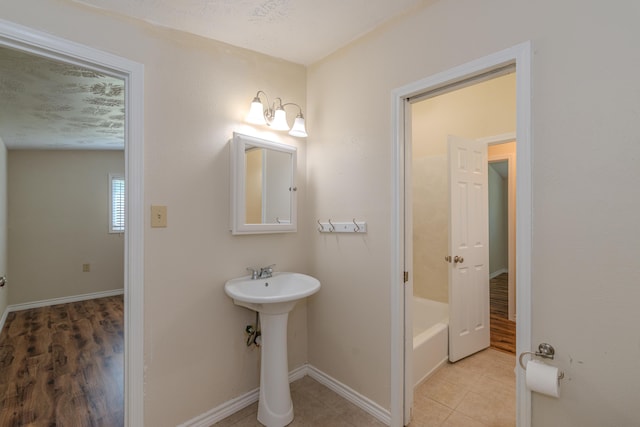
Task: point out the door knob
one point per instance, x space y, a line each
447 258
3 281
458 259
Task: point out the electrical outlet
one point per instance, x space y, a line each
86 268
158 216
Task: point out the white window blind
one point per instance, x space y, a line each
116 203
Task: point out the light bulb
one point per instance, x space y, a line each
256 113
298 128
279 120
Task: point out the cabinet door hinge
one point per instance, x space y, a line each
406 276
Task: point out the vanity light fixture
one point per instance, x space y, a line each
275 116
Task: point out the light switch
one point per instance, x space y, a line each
158 216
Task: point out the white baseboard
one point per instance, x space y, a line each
351 395
232 406
55 301
498 272
221 412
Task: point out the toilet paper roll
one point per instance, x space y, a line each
543 378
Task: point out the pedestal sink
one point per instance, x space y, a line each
273 298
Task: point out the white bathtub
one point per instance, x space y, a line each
430 337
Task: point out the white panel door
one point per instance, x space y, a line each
469 330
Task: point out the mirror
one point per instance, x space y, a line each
262 186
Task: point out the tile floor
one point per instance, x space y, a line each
478 391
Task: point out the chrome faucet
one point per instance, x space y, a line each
262 273
255 274
267 271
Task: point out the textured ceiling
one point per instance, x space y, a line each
301 31
47 104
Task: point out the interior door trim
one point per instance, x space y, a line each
520 55
39 43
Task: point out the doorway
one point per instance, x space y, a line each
502 229
442 231
402 387
27 40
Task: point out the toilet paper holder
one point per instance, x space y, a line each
546 351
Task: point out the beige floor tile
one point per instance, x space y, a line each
240 415
326 420
480 391
492 357
306 384
488 385
481 388
250 420
456 419
429 413
482 359
505 419
308 408
334 401
504 373
498 355
458 374
484 408
442 391
359 418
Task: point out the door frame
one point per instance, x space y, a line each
401 337
39 43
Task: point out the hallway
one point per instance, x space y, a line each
503 330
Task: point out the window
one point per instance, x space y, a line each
116 203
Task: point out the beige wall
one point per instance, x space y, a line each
585 269
482 110
585 152
498 222
430 227
59 220
197 93
4 292
506 151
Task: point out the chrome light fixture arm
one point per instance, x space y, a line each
274 115
293 103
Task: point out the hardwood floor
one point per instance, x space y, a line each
63 365
503 330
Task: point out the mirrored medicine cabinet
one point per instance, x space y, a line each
263 189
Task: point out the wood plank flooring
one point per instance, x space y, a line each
62 365
503 330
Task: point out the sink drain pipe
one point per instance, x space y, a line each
254 335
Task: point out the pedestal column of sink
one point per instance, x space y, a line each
273 297
275 408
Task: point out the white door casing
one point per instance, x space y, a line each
30 40
521 56
469 330
408 268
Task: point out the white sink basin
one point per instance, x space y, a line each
276 294
273 298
